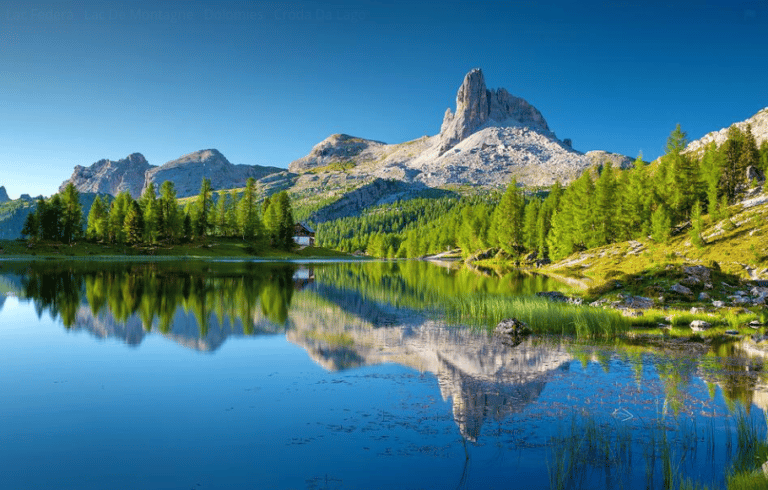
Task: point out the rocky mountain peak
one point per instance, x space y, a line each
188 171
758 124
111 177
3 195
337 148
476 106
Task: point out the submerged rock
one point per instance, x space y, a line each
700 325
512 331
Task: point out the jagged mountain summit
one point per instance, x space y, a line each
758 122
111 176
491 138
134 173
3 195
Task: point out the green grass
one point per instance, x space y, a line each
588 449
542 315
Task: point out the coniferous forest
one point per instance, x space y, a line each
603 206
154 218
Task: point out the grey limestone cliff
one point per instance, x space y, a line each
3 195
111 176
134 173
188 172
477 106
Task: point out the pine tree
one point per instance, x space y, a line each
133 227
286 225
71 214
712 170
231 214
172 222
151 212
509 219
31 227
98 221
733 174
117 212
602 225
681 177
247 212
203 208
580 199
272 221
221 214
530 225
50 221
637 201
750 154
697 226
661 225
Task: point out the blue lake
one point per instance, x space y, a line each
339 376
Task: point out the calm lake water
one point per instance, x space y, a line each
339 376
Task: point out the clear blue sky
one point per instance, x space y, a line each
264 82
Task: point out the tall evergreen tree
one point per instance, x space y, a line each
231 214
733 174
133 227
602 227
117 213
530 225
203 207
750 154
98 221
50 220
172 222
31 228
247 212
712 170
697 226
151 212
509 220
661 225
71 214
682 179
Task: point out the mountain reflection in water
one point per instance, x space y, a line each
344 316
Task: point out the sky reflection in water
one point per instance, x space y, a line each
329 376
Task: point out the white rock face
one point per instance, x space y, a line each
759 123
491 138
477 106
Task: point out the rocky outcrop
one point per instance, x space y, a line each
758 123
110 176
491 138
188 172
337 149
134 173
3 195
477 106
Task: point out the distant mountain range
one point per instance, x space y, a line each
133 174
490 138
